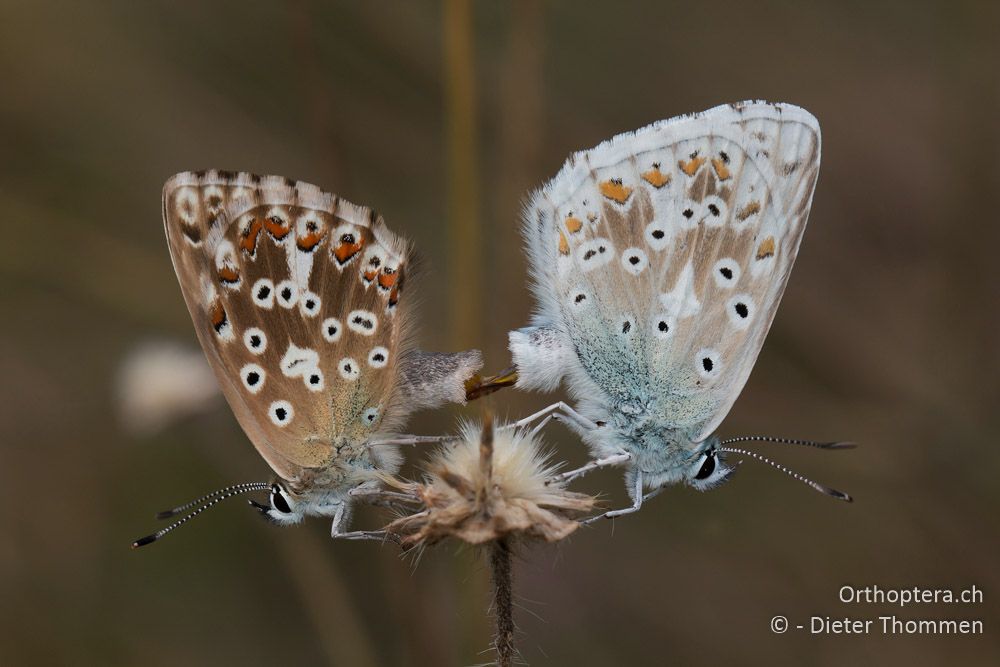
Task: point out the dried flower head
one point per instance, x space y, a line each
488 485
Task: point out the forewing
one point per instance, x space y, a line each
663 253
294 294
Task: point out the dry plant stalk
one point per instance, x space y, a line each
490 488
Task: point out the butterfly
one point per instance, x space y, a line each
657 260
298 299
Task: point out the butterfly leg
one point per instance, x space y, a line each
638 498
597 464
413 440
568 413
340 520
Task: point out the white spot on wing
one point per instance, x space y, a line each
314 380
363 322
332 329
253 377
681 301
657 235
663 326
256 340
369 416
594 253
263 293
286 293
378 357
740 310
634 261
726 272
309 304
578 298
298 361
281 413
708 363
349 369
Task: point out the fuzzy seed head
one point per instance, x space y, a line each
488 485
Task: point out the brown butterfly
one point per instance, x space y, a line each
297 297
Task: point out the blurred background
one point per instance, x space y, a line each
443 116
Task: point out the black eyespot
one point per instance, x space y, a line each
378 357
724 156
253 377
663 326
388 270
348 368
263 292
371 417
707 364
587 255
633 260
331 331
626 326
310 304
579 297
286 293
313 379
741 310
280 503
347 238
375 261
364 322
601 249
311 226
714 210
658 234
281 414
707 468
726 272
255 341
688 213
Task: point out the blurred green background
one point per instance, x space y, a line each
443 116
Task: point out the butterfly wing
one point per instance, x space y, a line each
295 297
661 255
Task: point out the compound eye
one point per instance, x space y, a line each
707 468
278 500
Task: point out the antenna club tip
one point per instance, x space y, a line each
143 541
166 514
842 445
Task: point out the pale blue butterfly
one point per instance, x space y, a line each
658 260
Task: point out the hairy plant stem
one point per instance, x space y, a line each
503 602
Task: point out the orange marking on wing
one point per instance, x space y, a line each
721 170
229 274
218 315
692 166
393 296
655 177
387 279
346 251
574 224
248 241
766 248
614 190
748 210
370 275
310 240
277 227
563 244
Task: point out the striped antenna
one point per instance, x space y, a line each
839 495
214 499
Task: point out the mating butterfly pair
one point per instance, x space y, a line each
658 260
